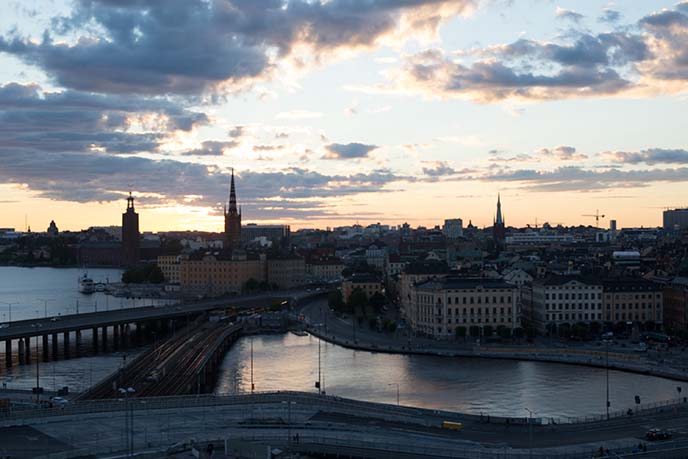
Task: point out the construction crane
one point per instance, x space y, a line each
597 217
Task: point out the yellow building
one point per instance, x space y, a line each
213 275
286 271
369 284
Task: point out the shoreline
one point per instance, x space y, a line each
496 353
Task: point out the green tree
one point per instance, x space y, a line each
335 301
377 301
358 300
518 333
503 332
487 331
460 332
474 330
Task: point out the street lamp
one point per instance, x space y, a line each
530 433
128 418
607 365
395 384
45 305
10 308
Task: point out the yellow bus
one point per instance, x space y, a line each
452 425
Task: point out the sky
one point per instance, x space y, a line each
333 112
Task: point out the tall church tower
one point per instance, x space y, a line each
232 220
498 230
130 234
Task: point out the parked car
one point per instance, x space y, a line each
657 434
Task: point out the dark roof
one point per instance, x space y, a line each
363 279
629 285
463 283
427 267
561 280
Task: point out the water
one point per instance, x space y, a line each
29 287
497 387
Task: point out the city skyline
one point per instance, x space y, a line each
563 108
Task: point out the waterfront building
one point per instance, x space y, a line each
286 271
538 238
675 219
219 274
453 228
368 283
632 300
415 273
558 300
325 269
232 219
169 265
675 295
439 306
131 243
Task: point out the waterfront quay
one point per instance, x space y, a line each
318 424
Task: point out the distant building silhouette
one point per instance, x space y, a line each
498 229
52 229
232 220
130 234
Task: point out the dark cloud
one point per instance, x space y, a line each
353 150
33 120
609 15
650 156
192 46
212 148
438 169
562 153
573 178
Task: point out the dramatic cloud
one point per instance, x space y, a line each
438 169
195 46
33 120
650 156
649 56
574 178
609 15
212 148
348 151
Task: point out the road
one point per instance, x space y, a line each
162 422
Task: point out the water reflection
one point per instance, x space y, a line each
499 387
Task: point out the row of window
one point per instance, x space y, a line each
565 296
579 316
466 300
637 297
565 306
633 305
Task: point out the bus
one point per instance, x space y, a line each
451 425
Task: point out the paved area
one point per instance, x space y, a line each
26 442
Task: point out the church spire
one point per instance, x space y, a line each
232 195
499 220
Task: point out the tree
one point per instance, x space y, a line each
460 332
503 332
487 331
144 274
595 328
251 285
335 301
564 330
358 300
551 329
474 330
518 333
377 301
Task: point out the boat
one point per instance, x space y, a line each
86 284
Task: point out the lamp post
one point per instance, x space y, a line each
607 365
395 384
530 433
128 418
45 305
10 308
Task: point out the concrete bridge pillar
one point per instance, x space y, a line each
94 338
115 336
77 338
104 340
20 351
65 340
55 350
123 332
46 349
27 350
139 332
8 353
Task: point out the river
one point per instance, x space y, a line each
497 387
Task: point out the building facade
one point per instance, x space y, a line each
559 300
675 295
286 271
632 300
439 306
213 275
453 228
325 269
368 284
676 218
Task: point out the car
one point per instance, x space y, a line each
54 319
657 434
4 326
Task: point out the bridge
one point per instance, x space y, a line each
122 326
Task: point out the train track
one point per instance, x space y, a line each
170 368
